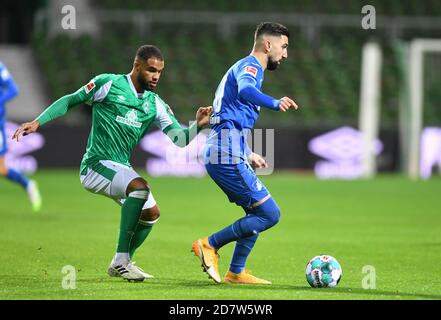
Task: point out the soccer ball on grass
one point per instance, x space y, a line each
323 271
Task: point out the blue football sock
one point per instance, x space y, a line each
17 177
241 251
257 220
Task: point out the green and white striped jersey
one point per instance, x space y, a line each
120 117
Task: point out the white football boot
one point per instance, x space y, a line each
34 195
146 275
128 271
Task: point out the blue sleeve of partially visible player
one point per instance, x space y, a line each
248 150
8 88
248 91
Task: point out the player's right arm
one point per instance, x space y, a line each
85 94
247 90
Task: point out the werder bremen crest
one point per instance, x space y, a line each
146 106
131 119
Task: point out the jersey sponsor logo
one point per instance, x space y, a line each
131 119
88 87
251 70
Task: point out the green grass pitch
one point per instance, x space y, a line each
389 223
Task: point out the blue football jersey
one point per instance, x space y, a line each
8 89
233 117
227 105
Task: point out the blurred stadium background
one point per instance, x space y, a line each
391 223
200 40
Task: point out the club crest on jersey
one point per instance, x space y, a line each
131 119
145 106
258 186
251 70
88 87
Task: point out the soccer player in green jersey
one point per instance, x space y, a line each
123 109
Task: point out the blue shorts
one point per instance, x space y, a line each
239 182
3 145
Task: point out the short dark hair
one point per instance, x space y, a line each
271 28
148 51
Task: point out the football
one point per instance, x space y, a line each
323 271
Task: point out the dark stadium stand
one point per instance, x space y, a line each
388 7
322 75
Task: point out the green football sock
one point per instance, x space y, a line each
142 231
130 213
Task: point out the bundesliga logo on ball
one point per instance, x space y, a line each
323 271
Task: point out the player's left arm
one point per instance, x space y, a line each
183 136
180 136
8 88
254 159
257 161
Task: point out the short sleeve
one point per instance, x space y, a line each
97 88
164 114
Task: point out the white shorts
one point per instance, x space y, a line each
111 179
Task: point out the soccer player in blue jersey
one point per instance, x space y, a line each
230 162
8 90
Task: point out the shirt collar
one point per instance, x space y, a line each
257 60
129 80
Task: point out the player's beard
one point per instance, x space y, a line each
272 65
144 83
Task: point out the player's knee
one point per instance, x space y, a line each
272 217
136 185
151 215
275 217
140 194
270 212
